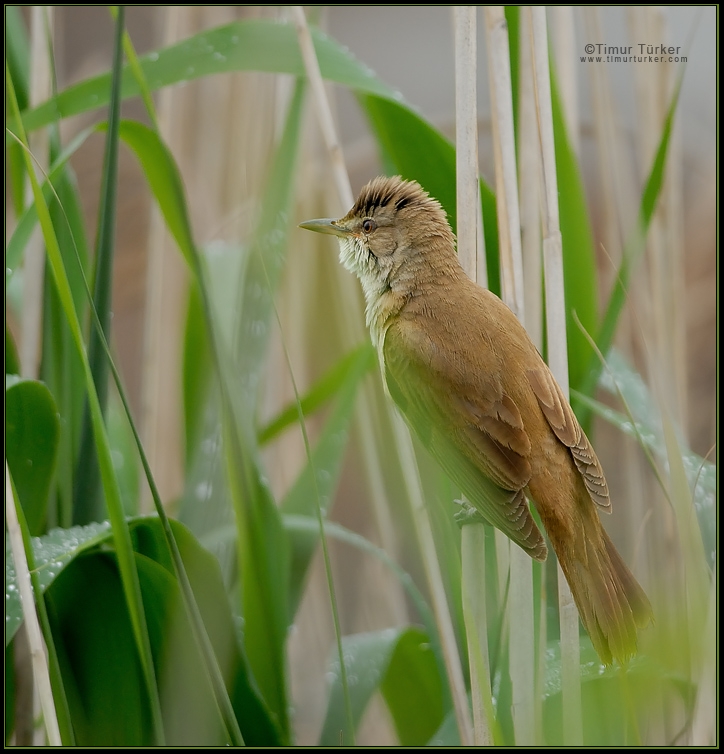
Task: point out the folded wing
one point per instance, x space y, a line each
477 436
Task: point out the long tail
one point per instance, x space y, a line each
610 601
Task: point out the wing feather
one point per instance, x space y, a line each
479 441
563 422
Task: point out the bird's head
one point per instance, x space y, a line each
393 234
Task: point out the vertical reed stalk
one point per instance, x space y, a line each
557 352
426 543
506 181
529 185
476 621
38 656
466 137
529 189
324 112
521 623
469 230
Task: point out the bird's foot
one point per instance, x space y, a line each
467 514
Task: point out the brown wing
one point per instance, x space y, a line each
563 422
475 434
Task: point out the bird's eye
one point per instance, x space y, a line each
368 225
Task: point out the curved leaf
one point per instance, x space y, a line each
32 429
255 45
164 181
95 640
413 690
52 553
102 676
398 662
191 716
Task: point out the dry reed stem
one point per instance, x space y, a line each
371 404
466 137
469 227
552 247
411 475
38 656
472 556
557 353
352 327
324 112
529 186
506 179
522 648
402 435
521 621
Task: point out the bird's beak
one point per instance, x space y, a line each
329 227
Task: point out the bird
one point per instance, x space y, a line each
475 390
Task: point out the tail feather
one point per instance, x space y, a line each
610 601
635 595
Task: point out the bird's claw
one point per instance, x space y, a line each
467 514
